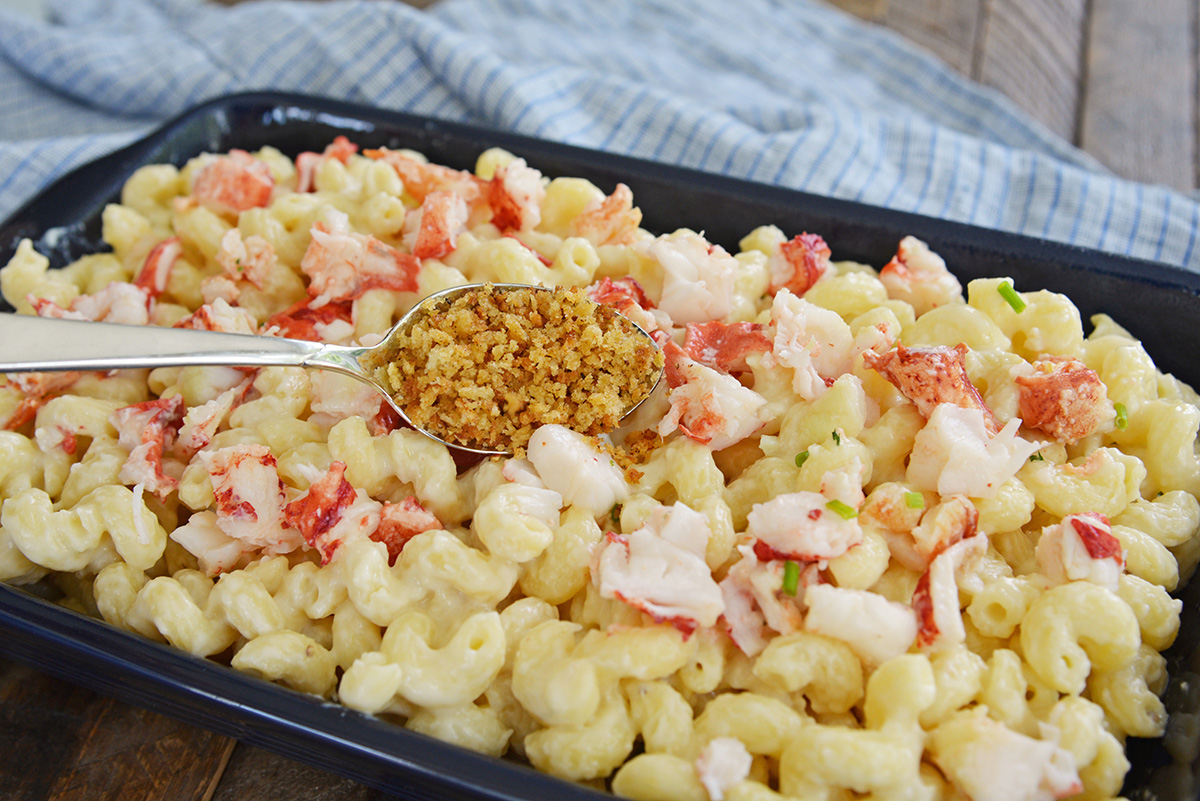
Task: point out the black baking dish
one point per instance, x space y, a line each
1157 303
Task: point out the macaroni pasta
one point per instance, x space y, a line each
875 533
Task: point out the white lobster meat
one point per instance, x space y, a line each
1081 548
801 527
569 464
955 455
874 627
660 569
698 278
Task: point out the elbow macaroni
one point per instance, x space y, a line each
464 604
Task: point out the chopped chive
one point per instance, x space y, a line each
914 500
1009 294
1037 457
842 509
801 458
1122 416
615 514
837 439
791 577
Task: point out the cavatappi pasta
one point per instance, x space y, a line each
876 534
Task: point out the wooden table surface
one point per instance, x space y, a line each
1116 77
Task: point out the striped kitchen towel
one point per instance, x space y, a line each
789 92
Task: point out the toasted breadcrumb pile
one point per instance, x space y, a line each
489 367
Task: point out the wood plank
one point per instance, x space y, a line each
255 773
948 28
32 706
867 9
1139 96
65 743
1031 50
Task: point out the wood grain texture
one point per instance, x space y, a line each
254 773
1032 51
1139 97
867 9
948 28
64 743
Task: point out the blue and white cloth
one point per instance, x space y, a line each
789 92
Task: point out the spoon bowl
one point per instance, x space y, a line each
37 344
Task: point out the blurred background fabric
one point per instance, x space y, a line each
786 92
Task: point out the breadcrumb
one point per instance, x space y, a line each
486 369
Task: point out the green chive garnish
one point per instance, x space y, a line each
615 514
1009 294
791 577
1122 416
842 509
837 440
1037 457
801 458
914 500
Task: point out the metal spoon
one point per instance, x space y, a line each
37 344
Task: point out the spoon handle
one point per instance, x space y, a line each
36 344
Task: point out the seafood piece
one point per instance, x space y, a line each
515 194
328 323
249 259
935 599
1064 398
420 178
220 287
724 346
38 388
343 264
331 511
307 163
147 430
119 302
799 263
232 183
216 551
611 221
400 522
627 297
987 761
220 316
1081 548
954 454
660 569
754 598
156 270
931 376
889 512
874 627
522 471
845 483
249 497
951 520
813 341
569 463
443 217
801 527
919 277
722 763
708 407
336 397
878 338
698 277
200 423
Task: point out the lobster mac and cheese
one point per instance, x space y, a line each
875 533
